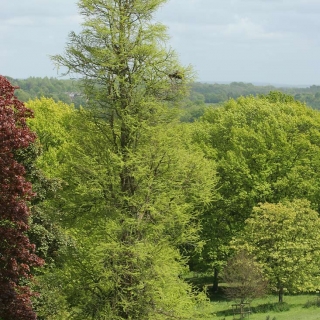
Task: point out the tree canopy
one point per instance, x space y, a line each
284 238
16 252
266 150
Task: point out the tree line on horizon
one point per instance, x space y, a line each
201 94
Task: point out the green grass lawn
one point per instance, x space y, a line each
295 308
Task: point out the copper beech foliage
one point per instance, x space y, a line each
16 252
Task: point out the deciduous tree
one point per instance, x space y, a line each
51 123
244 278
285 239
266 149
16 252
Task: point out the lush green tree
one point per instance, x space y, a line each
43 161
51 123
285 239
266 150
173 183
134 185
90 213
43 232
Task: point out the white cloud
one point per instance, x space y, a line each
240 30
247 29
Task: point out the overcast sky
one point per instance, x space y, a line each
259 41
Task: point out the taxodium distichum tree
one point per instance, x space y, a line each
16 252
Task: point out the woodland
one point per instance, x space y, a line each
200 95
117 187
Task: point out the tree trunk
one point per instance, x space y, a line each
281 294
215 285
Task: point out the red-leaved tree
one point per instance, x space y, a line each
16 251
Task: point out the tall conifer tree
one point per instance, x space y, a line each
137 188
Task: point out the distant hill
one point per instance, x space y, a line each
216 93
67 91
202 94
263 84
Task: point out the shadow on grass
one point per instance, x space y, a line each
262 308
204 282
271 307
312 303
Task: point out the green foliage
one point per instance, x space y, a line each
201 94
66 91
218 93
204 94
192 112
43 162
173 182
51 123
133 184
142 275
285 238
266 149
44 231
